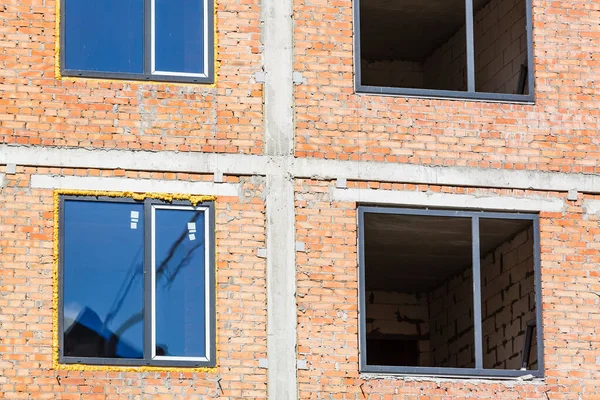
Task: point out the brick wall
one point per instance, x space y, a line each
37 109
507 301
26 243
451 314
392 73
328 316
557 133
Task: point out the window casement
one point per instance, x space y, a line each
136 282
149 40
463 49
449 293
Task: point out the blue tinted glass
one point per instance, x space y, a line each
103 279
180 279
179 36
104 35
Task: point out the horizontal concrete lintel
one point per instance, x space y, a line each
463 201
133 185
242 164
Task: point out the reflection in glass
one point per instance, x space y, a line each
180 278
105 36
103 279
179 36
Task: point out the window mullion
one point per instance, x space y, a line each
147 280
147 38
470 46
477 293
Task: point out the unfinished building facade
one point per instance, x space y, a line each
350 199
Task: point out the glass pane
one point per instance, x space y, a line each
500 40
179 36
180 279
508 308
419 287
103 279
104 36
413 44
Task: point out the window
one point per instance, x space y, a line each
446 292
136 282
159 40
478 49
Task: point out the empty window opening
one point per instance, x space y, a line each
421 269
411 44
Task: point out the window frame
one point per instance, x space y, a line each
478 371
149 322
148 50
470 93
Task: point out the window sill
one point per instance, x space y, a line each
138 78
446 94
378 371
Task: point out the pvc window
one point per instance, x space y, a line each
467 49
449 293
158 40
136 283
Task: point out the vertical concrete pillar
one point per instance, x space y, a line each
277 33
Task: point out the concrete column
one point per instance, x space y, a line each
277 33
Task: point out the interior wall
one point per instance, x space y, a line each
500 35
446 67
393 73
394 313
451 320
508 302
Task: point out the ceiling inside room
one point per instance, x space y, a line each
410 253
409 29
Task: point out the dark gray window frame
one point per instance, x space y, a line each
470 93
147 74
147 360
478 371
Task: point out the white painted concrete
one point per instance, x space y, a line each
462 201
1 180
591 207
134 185
240 164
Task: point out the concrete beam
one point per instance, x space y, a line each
134 185
463 201
231 164
450 176
241 164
